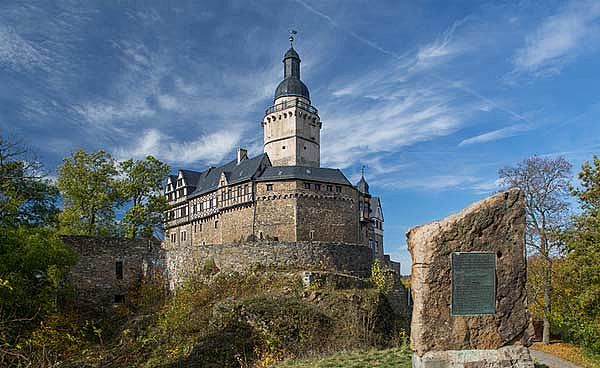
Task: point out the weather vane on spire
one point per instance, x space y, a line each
292 33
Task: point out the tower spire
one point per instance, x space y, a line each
292 33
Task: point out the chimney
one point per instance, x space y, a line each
242 154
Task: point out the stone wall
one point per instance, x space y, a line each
276 210
331 216
183 262
94 277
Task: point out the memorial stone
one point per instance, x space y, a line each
468 287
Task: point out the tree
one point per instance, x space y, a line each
27 197
90 189
579 303
141 186
545 186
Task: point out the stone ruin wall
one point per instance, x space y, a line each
93 277
184 262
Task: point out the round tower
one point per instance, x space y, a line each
292 127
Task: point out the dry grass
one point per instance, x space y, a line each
390 358
570 352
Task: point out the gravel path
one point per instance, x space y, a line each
551 360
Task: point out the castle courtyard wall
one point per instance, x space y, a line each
184 262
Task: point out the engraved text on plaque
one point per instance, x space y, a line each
473 283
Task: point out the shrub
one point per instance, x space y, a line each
382 277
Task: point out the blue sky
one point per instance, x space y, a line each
432 96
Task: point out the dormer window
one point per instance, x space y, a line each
179 182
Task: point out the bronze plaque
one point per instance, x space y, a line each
473 283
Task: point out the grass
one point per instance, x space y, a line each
570 352
372 358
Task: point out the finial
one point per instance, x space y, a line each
292 33
362 171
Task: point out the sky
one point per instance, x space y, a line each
433 97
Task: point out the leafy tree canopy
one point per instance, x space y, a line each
141 186
89 185
27 197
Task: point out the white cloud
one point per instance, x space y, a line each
559 38
17 52
206 149
497 134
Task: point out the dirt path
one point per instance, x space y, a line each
551 360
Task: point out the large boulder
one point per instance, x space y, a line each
495 224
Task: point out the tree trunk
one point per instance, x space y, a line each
547 301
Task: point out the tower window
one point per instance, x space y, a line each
306 185
338 188
269 187
330 188
312 234
304 147
119 270
282 147
317 186
216 224
260 235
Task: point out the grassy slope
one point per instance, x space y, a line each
396 358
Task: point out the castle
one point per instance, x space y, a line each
282 194
278 209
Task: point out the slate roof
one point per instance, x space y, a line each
376 209
209 180
362 185
334 176
190 177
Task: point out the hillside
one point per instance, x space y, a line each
234 320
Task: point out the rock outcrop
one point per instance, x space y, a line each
495 224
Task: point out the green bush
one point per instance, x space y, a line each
382 277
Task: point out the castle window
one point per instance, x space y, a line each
216 224
260 235
269 187
304 147
276 238
183 236
119 299
119 270
195 228
282 147
312 234
317 186
306 185
200 226
173 238
338 188
330 188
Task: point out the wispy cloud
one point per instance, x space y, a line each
497 134
206 149
559 38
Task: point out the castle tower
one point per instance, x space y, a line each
292 127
